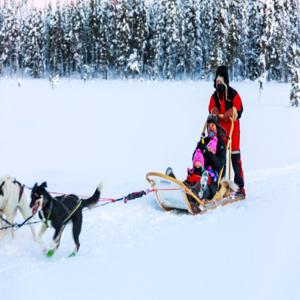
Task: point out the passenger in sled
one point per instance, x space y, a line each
209 158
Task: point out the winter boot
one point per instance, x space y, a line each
169 172
240 194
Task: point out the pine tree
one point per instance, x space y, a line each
33 44
152 43
265 39
254 40
242 33
293 38
138 29
189 37
233 36
220 34
295 90
10 38
205 34
294 52
122 38
104 43
170 38
237 37
93 37
276 46
110 20
78 39
55 53
66 46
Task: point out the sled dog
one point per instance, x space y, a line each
12 199
58 211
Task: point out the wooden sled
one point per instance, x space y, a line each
172 194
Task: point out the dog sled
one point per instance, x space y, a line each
172 194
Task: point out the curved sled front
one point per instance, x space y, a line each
171 193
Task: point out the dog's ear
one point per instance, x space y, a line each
43 185
35 185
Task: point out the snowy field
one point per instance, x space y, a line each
79 133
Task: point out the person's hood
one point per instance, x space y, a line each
223 72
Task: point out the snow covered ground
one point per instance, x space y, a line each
79 133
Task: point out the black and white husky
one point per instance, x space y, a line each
58 211
12 199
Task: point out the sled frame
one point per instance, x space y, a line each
204 205
185 191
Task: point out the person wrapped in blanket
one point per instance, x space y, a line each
209 158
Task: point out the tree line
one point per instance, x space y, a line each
165 39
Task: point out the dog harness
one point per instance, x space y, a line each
69 212
21 186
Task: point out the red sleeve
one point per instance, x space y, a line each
237 102
212 104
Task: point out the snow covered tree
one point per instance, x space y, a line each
205 34
293 38
254 40
218 54
122 38
294 52
237 37
138 29
104 43
108 37
78 38
295 90
189 37
66 46
55 42
152 43
32 50
233 37
170 37
10 38
276 45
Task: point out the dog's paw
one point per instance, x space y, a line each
50 252
72 254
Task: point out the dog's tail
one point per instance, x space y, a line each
94 198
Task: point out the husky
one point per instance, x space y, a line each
58 211
226 188
12 199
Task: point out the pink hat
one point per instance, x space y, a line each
198 157
212 145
